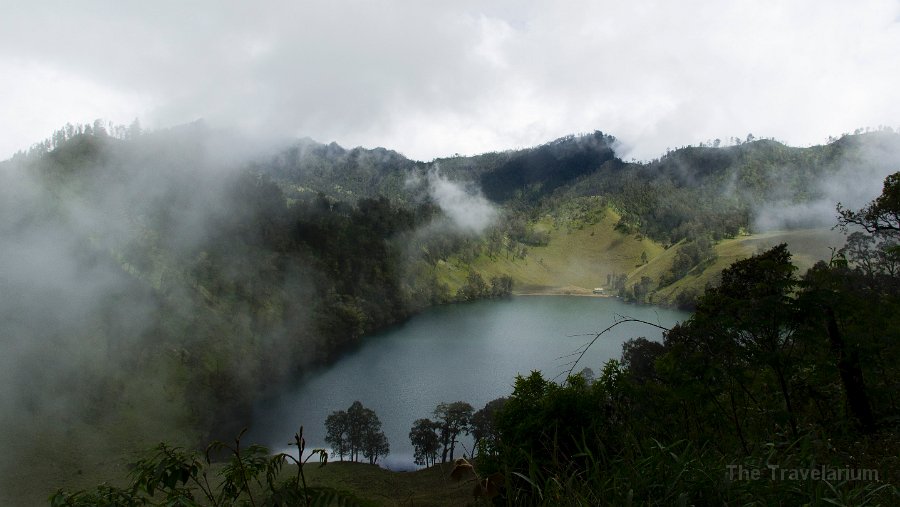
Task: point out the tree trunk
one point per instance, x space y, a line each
737 423
851 375
782 382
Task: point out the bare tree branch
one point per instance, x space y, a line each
598 335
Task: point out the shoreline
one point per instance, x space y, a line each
561 294
570 290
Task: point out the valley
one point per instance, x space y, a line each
187 285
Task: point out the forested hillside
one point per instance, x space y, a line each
676 221
165 281
158 293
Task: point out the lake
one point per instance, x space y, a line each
469 352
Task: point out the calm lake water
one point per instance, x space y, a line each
470 352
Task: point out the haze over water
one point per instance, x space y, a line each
469 352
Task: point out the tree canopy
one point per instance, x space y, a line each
356 432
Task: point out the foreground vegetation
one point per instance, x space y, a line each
336 483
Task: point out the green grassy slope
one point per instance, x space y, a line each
82 456
580 256
807 246
577 259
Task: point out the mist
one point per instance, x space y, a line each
853 180
433 79
463 203
97 313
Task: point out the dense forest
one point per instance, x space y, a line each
165 281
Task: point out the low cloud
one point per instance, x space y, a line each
433 78
858 178
463 203
96 300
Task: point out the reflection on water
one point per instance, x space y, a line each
469 352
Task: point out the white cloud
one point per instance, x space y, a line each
436 78
41 99
466 207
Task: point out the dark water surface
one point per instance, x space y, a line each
470 352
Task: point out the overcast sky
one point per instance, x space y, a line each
435 78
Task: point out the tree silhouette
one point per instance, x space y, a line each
425 441
356 431
881 215
454 418
749 319
336 433
484 430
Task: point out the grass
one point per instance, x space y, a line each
60 450
807 246
580 255
577 259
361 483
83 457
431 487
